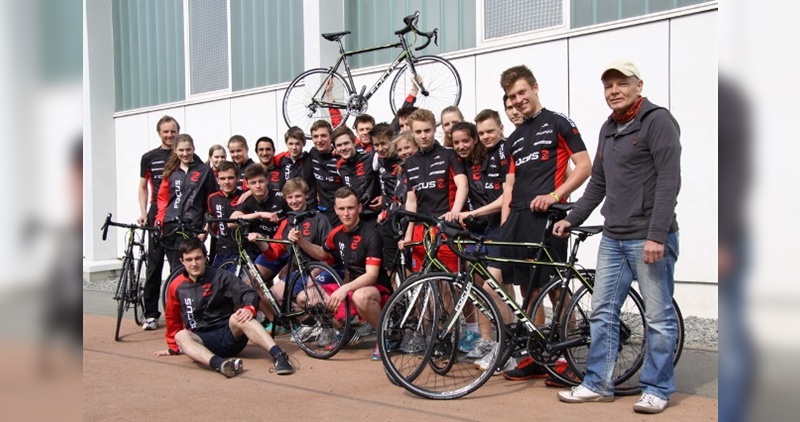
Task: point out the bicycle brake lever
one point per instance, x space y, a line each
436 37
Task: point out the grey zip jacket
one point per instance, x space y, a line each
638 172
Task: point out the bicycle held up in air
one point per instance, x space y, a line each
130 286
325 94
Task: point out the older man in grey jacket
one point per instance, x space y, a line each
637 171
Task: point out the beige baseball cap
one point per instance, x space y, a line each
625 67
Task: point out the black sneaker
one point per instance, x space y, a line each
282 365
231 367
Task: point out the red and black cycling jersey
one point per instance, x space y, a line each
222 206
301 168
326 174
206 304
429 174
356 249
275 179
314 229
540 149
270 203
486 183
242 184
152 168
184 195
389 170
362 147
359 173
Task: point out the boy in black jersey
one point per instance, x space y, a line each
210 316
323 166
221 204
358 170
152 167
539 151
297 163
360 248
363 126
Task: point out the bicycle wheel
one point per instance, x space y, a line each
302 103
445 349
544 317
632 328
439 78
320 332
464 375
165 286
137 293
122 293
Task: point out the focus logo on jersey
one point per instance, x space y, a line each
530 157
190 313
431 184
178 194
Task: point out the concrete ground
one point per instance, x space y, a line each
125 381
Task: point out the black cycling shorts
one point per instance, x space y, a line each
221 342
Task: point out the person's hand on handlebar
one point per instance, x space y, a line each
463 217
449 216
142 220
561 228
542 202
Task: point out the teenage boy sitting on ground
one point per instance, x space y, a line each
210 316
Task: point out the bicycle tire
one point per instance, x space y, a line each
329 332
121 294
551 326
439 77
462 378
165 286
630 354
445 351
229 265
138 293
300 106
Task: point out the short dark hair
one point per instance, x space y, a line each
343 130
225 166
406 111
265 139
238 139
345 192
320 124
487 114
382 130
296 133
511 75
364 118
192 244
253 171
166 119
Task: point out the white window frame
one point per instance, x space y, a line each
210 95
483 42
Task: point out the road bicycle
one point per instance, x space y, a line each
300 306
130 286
420 309
324 94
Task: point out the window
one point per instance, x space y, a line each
373 23
508 17
592 12
266 42
148 53
208 46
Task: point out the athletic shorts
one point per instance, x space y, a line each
382 291
322 278
445 255
274 266
221 342
527 226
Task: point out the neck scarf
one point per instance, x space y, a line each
628 114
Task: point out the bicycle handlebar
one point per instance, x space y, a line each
411 25
108 223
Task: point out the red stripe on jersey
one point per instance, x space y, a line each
452 188
562 161
371 260
511 166
329 244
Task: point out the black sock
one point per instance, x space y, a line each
215 362
275 351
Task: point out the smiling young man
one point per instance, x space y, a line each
237 146
210 316
358 170
324 168
297 163
221 204
538 153
363 126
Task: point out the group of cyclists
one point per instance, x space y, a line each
500 188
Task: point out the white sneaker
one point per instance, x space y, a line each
650 403
306 333
483 363
150 324
581 394
482 347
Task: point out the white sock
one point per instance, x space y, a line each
473 326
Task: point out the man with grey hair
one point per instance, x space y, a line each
637 170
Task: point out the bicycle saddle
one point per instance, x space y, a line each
335 36
587 230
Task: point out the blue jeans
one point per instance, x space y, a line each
619 262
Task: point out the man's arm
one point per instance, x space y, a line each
505 208
411 206
462 190
142 201
578 175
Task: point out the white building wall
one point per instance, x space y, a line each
678 61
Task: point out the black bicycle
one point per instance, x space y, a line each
130 286
324 94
